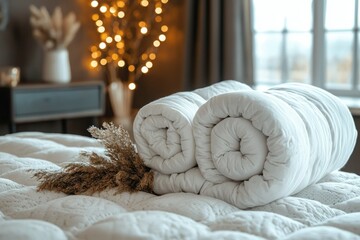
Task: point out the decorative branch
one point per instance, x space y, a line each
130 33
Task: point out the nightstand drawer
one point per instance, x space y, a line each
57 101
42 102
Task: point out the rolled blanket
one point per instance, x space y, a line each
163 128
254 147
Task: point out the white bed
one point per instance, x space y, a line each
221 162
329 209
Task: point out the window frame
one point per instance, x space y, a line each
318 52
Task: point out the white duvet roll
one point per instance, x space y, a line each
163 128
254 147
163 132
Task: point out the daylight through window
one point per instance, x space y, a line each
307 41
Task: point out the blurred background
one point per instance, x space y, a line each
19 48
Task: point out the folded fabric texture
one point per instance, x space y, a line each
163 128
254 147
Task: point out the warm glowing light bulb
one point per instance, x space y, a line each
149 64
103 36
101 29
144 69
121 63
109 39
144 3
158 10
164 28
162 37
112 10
156 43
121 14
94 3
142 24
120 4
132 86
143 30
102 45
99 23
103 9
144 56
117 38
164 1
94 54
131 68
114 56
94 63
95 16
120 45
152 56
103 61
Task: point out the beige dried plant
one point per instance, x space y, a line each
53 31
121 168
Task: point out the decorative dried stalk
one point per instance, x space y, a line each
121 167
54 32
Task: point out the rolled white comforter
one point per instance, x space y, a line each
254 147
163 128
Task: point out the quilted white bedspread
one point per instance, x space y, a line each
329 209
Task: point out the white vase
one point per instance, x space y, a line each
121 102
56 66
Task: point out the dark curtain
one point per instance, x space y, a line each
218 41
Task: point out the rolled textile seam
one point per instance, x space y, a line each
220 88
254 147
163 131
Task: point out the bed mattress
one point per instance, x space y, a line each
328 209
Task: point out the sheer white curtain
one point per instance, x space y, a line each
218 42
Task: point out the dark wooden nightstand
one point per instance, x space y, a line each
43 102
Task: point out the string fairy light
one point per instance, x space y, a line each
130 34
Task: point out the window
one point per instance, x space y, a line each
309 41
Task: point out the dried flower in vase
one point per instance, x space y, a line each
53 31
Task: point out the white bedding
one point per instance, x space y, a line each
163 128
328 209
251 147
256 147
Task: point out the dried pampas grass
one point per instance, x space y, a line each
53 32
121 167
